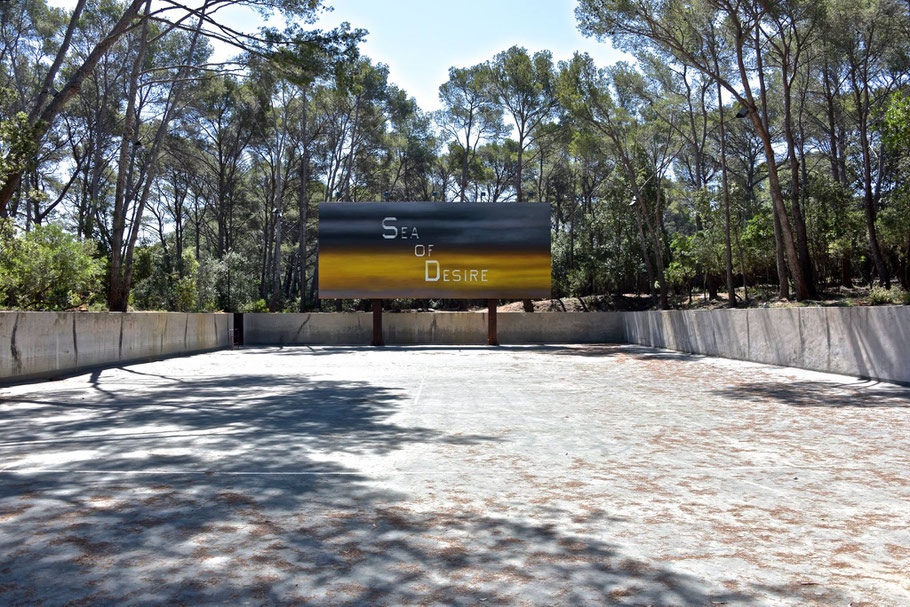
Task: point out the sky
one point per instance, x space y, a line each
420 40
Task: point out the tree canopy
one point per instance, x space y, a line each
749 147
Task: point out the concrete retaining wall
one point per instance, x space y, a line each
560 328
325 328
45 344
432 328
871 342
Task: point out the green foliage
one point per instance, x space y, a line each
880 296
683 268
758 241
897 121
235 281
306 105
160 285
47 269
260 305
17 145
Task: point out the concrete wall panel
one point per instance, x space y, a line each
774 336
434 328
655 336
46 344
97 338
142 335
175 326
7 363
557 328
731 333
869 342
37 341
318 328
814 347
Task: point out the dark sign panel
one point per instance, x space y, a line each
434 250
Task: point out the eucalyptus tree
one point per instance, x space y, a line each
524 86
44 102
592 96
54 88
468 115
222 119
446 166
272 149
682 99
24 30
896 218
92 120
682 32
309 62
787 31
410 148
363 85
497 167
354 110
155 96
869 34
170 206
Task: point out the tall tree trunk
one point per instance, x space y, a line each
762 127
303 200
463 179
526 304
869 205
122 279
783 285
643 243
830 115
275 299
654 232
519 195
731 291
117 299
802 241
355 123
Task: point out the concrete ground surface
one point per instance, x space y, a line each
454 476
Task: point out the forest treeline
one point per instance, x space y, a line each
749 144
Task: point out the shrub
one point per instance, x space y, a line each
47 269
259 305
880 296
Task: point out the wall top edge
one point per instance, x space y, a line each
100 312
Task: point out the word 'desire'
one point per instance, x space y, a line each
434 250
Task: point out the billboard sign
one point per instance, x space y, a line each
458 250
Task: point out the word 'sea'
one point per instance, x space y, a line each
391 231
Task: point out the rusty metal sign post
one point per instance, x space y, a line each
492 337
377 323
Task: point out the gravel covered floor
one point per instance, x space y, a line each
468 476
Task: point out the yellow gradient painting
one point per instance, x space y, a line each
434 250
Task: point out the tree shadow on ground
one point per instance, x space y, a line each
263 410
805 393
587 350
612 350
222 490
